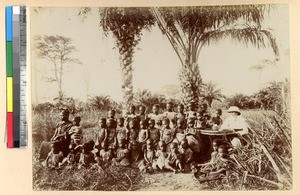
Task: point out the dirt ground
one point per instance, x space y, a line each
168 181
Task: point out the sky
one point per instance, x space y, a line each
155 65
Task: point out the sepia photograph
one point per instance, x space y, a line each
186 98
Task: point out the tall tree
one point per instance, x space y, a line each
126 25
189 29
58 50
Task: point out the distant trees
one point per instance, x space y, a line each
58 50
210 92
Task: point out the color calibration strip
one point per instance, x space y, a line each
15 67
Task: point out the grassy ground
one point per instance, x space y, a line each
267 161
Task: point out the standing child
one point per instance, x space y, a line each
76 132
132 131
154 133
155 115
167 134
122 132
112 117
111 134
170 114
180 113
55 156
179 131
216 120
191 113
147 163
101 136
142 115
131 115
173 160
143 134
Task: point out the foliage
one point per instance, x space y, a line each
190 28
58 50
147 99
102 103
210 92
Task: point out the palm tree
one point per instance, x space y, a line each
126 25
189 29
211 93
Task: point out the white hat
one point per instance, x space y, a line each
234 109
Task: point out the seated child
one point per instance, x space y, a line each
105 156
186 155
219 168
73 157
191 136
154 133
135 153
147 163
179 131
143 134
122 132
76 132
55 156
216 120
87 157
167 134
122 156
208 166
101 135
161 155
173 160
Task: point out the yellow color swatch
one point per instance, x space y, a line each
9 93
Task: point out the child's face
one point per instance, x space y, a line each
121 145
215 147
132 110
131 124
159 122
166 123
149 147
142 110
111 114
191 107
216 114
199 116
151 124
191 124
102 123
155 109
76 121
169 107
221 152
120 122
142 125
180 108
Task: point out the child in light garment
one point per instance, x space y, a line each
146 165
173 160
122 156
161 156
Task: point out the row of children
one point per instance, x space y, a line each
165 141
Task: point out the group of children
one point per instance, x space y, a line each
151 142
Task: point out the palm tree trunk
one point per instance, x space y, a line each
190 81
126 67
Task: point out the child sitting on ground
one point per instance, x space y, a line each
76 132
111 134
143 134
135 153
219 168
87 157
105 156
154 133
122 156
173 160
73 157
147 163
122 132
55 156
167 134
161 155
186 155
